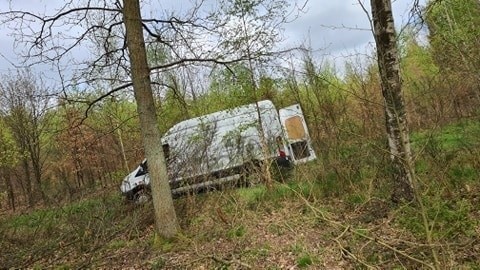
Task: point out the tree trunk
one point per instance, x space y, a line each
122 149
37 168
165 217
395 114
10 192
27 188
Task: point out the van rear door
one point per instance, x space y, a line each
296 134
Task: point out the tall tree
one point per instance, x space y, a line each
395 113
9 156
24 102
165 216
189 37
454 35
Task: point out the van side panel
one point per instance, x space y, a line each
221 141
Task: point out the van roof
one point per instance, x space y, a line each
220 115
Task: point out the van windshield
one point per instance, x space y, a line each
143 169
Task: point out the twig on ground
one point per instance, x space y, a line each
230 262
346 228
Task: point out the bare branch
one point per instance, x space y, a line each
92 103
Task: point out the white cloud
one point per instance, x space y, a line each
338 29
334 27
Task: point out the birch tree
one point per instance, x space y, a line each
395 113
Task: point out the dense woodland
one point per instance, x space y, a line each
60 145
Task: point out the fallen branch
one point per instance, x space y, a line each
230 262
320 214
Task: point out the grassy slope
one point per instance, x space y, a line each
318 220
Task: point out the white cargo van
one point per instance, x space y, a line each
221 146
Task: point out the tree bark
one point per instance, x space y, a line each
10 192
27 188
395 114
165 217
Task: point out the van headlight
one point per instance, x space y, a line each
125 187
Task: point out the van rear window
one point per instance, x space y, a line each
295 129
300 150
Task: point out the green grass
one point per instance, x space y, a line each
79 227
253 194
447 165
448 160
304 261
449 138
237 232
449 157
448 219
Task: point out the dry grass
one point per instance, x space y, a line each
286 228
333 215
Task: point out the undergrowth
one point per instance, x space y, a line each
333 212
66 233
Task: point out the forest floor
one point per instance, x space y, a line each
288 227
330 214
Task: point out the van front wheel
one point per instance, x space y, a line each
142 196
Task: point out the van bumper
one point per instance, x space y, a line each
283 162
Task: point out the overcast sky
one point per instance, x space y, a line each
334 28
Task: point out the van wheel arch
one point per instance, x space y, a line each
142 195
